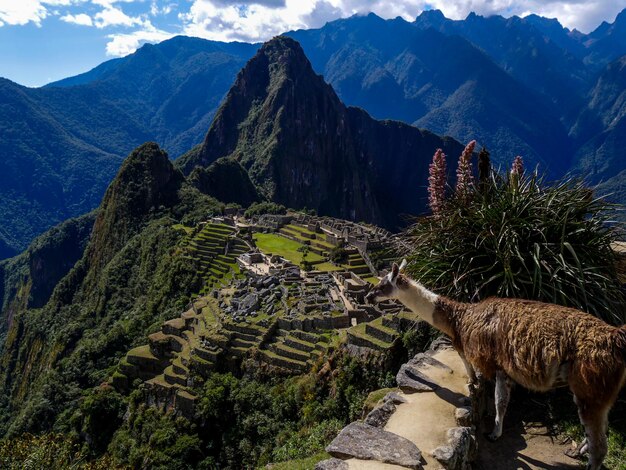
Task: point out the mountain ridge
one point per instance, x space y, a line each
169 93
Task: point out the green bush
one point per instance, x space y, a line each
520 237
260 208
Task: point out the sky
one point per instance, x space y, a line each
46 40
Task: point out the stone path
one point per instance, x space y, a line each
409 425
428 425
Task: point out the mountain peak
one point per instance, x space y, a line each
433 14
146 182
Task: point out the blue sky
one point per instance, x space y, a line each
45 40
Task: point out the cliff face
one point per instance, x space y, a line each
304 148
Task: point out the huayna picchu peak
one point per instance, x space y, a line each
303 148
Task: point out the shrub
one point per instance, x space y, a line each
520 237
260 208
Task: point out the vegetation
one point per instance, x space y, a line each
521 238
516 236
260 208
246 423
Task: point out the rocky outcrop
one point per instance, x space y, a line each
365 442
332 464
302 147
460 451
425 375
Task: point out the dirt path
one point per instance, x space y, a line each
527 442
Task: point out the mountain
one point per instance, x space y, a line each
479 78
601 126
47 173
225 180
303 148
79 297
63 143
517 85
607 42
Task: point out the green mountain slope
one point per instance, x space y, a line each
131 275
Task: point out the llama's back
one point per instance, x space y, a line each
536 344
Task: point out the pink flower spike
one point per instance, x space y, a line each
464 173
437 182
518 166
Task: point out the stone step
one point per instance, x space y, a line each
306 336
358 337
285 351
206 354
239 351
293 365
179 368
201 366
381 332
145 360
171 377
165 345
174 327
296 343
245 336
242 343
362 441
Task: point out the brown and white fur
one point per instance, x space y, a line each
537 345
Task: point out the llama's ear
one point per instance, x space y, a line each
395 270
403 265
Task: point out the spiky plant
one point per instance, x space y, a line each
522 238
437 182
464 173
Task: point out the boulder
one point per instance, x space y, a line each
395 398
379 416
365 442
331 464
411 380
422 360
460 451
463 416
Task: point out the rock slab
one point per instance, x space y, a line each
332 464
379 416
411 380
365 442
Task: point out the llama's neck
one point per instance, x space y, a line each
420 301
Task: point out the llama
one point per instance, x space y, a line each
537 345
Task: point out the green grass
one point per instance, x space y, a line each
359 330
307 463
281 246
186 229
328 267
374 397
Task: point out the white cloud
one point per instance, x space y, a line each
257 20
112 16
21 12
124 44
81 19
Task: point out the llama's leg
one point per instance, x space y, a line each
503 394
595 421
471 373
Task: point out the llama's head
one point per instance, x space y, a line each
389 286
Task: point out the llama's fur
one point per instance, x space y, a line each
538 345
